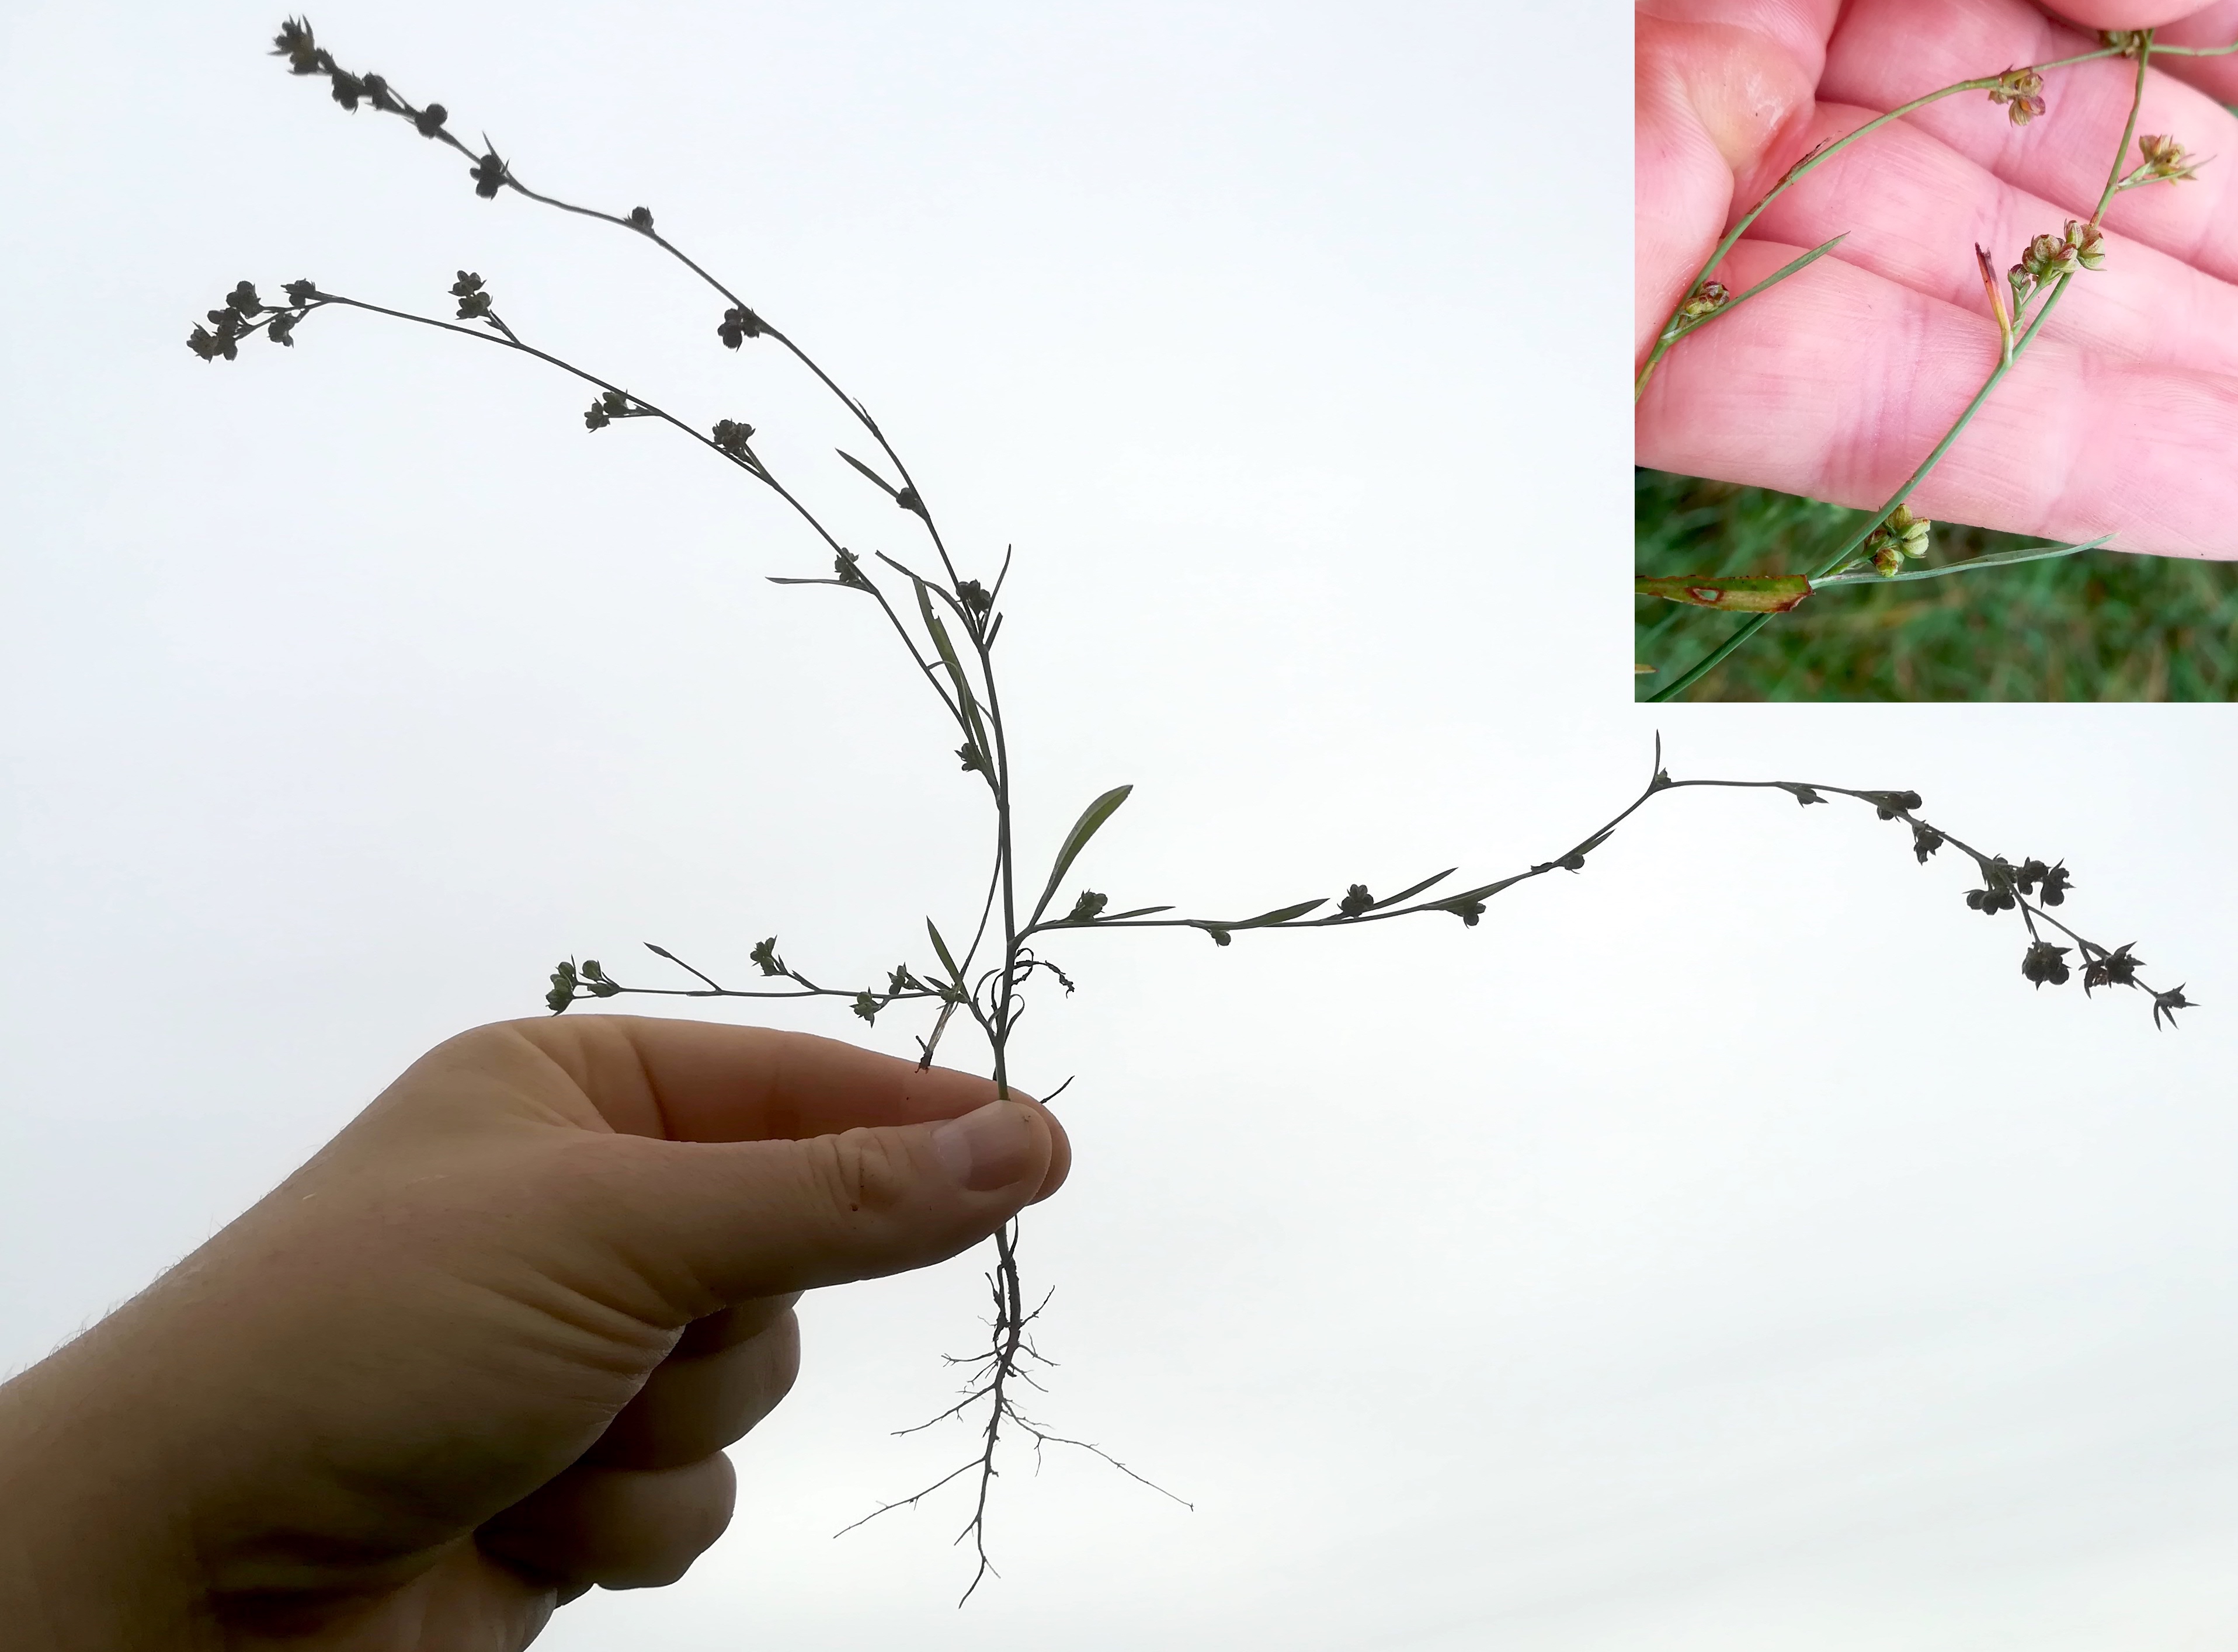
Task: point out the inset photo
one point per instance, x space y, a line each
1935 351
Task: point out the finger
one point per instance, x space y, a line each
1711 95
694 1404
1892 51
705 1224
2206 27
2125 14
1915 209
705 1081
615 1528
1838 392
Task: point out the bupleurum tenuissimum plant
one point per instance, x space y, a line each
948 624
1880 548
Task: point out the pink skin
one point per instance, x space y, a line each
2121 419
484 1351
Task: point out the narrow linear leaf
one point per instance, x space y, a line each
867 470
947 651
1412 891
939 945
1486 890
1133 912
776 580
1755 593
1280 914
1090 822
1993 559
1777 277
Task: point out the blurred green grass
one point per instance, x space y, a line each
2101 625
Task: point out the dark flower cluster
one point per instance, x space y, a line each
731 437
489 176
569 976
740 323
474 300
238 319
610 406
2043 962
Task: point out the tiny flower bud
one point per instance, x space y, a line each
1706 299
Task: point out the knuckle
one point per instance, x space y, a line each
863 1172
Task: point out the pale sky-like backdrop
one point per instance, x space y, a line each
1724 1248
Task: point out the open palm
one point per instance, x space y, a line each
2121 419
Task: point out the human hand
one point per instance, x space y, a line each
485 1349
2122 418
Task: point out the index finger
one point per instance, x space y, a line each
708 1082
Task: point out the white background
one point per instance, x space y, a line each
1724 1248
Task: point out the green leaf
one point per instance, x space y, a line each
1412 891
1993 559
1091 819
866 471
1755 593
1777 277
947 650
1280 914
947 962
1485 891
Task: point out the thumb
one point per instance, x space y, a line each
714 1223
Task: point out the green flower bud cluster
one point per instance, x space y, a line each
1903 535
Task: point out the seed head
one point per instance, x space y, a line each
473 301
2021 92
489 176
740 324
2114 969
2045 963
1707 299
2169 1002
2164 159
294 42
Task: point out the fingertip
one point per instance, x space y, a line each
1060 1159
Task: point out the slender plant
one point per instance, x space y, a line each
948 626
1879 547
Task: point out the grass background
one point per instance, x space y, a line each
2102 626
